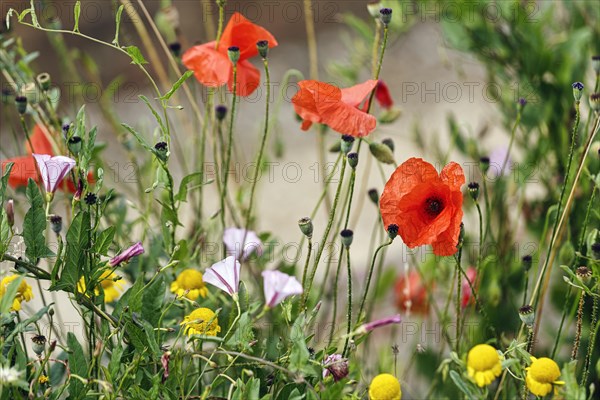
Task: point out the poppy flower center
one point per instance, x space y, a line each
434 206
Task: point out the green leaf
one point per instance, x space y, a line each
34 225
6 301
104 240
114 364
118 23
155 113
299 355
183 187
247 390
138 137
21 327
78 242
136 55
463 386
243 334
152 300
77 365
176 85
77 13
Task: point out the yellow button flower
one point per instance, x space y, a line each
189 283
24 292
43 379
542 374
385 387
112 289
483 364
201 321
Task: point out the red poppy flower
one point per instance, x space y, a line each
212 67
25 167
411 294
383 96
426 206
467 294
320 102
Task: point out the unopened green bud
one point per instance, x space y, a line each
306 226
382 153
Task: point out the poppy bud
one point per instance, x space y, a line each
374 196
386 15
346 143
221 112
596 251
595 102
526 262
336 147
577 91
389 143
484 163
474 190
347 237
44 81
10 212
21 102
353 160
39 344
596 64
382 153
56 223
373 7
527 315
161 151
234 54
306 226
52 346
175 48
90 199
392 231
263 48
66 127
74 144
6 95
584 273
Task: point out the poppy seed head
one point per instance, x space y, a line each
434 206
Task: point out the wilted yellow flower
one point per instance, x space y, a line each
189 283
43 379
24 292
111 288
385 387
201 321
542 374
483 364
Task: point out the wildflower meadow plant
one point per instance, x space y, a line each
150 250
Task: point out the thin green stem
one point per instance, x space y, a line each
349 322
229 149
305 273
335 297
221 20
369 276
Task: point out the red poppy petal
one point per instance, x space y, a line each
210 67
409 174
23 169
382 94
39 141
306 125
453 176
346 119
311 91
355 95
244 34
248 79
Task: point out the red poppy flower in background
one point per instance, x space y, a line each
212 66
426 206
467 294
411 294
320 102
25 167
383 96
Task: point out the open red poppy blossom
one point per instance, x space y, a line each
410 293
426 206
211 65
383 96
25 167
320 102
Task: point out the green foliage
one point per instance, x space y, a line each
34 225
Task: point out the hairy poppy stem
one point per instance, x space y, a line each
379 64
229 148
348 329
578 326
594 325
369 276
221 5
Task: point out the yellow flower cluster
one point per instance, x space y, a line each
201 321
483 364
385 387
24 292
189 283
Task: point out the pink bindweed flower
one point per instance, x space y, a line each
233 237
278 286
225 275
53 170
368 327
127 255
335 365
467 294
